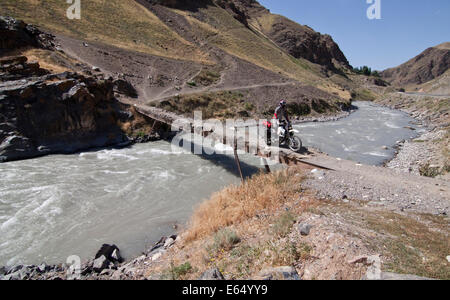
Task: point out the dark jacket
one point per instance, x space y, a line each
280 113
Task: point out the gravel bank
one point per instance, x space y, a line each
415 153
379 186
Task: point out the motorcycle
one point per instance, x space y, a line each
287 136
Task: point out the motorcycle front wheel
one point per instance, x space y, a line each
295 144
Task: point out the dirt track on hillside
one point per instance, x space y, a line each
157 78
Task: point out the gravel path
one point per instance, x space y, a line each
379 186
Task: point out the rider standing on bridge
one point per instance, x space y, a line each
281 115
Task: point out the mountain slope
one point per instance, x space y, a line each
165 48
118 22
299 41
437 86
428 65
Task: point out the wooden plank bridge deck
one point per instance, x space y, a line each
232 137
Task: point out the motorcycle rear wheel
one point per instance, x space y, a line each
295 144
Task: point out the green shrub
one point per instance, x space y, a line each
224 239
176 272
283 224
365 70
207 77
298 109
428 171
249 106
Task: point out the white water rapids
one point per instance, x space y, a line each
61 205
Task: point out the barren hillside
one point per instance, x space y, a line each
427 66
199 47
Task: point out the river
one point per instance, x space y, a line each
61 205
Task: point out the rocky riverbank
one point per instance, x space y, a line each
108 263
428 154
326 117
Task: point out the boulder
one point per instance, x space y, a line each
100 264
279 273
122 86
304 229
87 268
169 243
21 273
42 268
212 274
13 147
110 252
116 257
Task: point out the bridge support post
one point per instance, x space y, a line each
236 157
266 165
153 127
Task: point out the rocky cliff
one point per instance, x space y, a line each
15 34
54 113
43 113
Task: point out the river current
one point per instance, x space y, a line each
61 205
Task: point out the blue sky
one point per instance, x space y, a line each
406 27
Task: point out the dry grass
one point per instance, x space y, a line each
363 94
415 244
53 61
413 247
243 230
234 38
122 23
238 203
234 230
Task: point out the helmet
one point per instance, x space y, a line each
283 102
